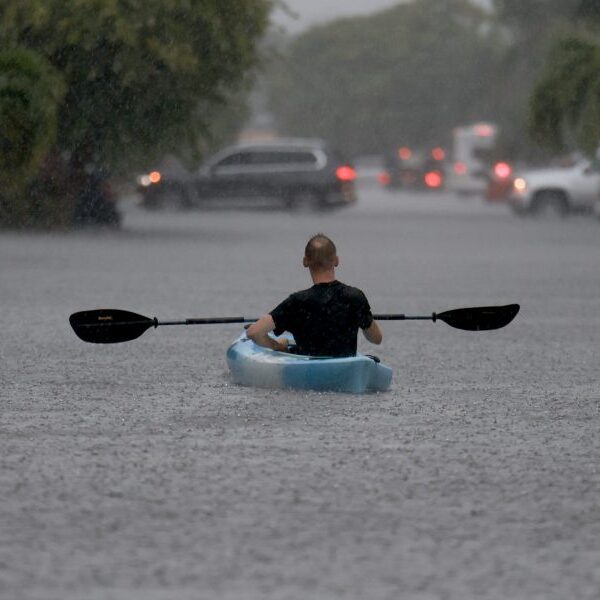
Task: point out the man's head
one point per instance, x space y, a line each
320 254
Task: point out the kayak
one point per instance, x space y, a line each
256 366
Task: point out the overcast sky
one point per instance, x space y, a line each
311 12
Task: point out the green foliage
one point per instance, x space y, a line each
532 28
565 105
30 93
412 73
406 75
142 77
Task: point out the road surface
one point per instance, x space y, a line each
140 472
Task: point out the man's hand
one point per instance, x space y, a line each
284 344
259 333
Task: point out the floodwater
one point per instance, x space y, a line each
139 471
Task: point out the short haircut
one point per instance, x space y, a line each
320 252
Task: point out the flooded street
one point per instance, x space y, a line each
138 471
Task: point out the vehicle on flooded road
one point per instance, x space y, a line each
560 190
406 168
470 146
293 173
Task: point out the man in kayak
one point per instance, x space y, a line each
323 319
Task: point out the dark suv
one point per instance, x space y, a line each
291 172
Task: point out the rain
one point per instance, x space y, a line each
172 160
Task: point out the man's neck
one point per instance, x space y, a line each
323 276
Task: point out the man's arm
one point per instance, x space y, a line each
259 331
373 333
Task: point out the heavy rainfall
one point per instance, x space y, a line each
172 159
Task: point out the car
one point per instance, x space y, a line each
560 190
169 184
289 172
406 168
403 169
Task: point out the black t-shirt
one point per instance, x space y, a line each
324 319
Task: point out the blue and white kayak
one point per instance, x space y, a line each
256 366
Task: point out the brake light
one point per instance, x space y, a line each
502 170
433 179
438 154
384 178
345 173
460 168
154 177
404 153
484 130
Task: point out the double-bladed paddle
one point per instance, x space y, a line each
110 326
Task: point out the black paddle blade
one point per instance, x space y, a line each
480 318
109 326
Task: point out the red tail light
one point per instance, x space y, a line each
438 153
345 173
460 168
384 178
433 179
484 130
405 153
502 170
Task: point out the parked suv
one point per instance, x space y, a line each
292 172
561 190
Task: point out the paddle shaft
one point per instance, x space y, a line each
222 320
207 321
431 317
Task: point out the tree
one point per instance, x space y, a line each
142 78
533 28
407 75
565 105
30 93
139 74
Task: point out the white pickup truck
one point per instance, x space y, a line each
557 190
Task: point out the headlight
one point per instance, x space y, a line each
520 185
147 180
